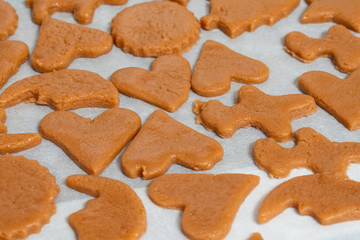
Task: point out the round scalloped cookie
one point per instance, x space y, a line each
8 20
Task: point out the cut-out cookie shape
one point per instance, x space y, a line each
60 43
163 141
270 114
312 151
256 236
116 213
234 17
345 12
83 9
218 65
8 20
27 193
209 202
339 97
155 28
182 2
339 44
62 90
329 198
166 86
12 55
91 144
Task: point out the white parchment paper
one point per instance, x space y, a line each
266 45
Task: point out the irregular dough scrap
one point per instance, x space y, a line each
234 17
3 128
83 9
117 213
340 45
270 114
312 151
256 236
60 43
91 144
182 2
339 97
329 198
155 28
166 86
62 90
8 20
12 55
218 65
27 193
209 202
345 12
163 141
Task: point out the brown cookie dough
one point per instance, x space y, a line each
340 45
338 97
256 236
27 193
182 2
117 213
328 198
166 86
209 202
91 144
218 65
312 151
3 128
8 20
83 9
345 12
270 114
60 43
155 28
12 55
163 141
234 17
62 90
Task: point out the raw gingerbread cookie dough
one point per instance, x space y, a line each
8 20
339 44
166 86
117 213
27 193
209 202
270 114
256 236
329 198
83 9
91 144
339 97
155 28
218 65
62 90
60 43
163 141
182 2
234 17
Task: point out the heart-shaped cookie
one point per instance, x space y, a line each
166 86
91 144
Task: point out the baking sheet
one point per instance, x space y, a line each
266 45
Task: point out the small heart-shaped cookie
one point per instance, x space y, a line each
91 144
166 86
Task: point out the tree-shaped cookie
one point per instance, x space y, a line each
60 43
163 141
62 90
209 202
218 65
338 97
339 44
270 114
83 9
345 12
329 198
312 151
116 213
166 86
234 17
8 20
27 196
91 144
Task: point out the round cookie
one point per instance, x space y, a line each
155 28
